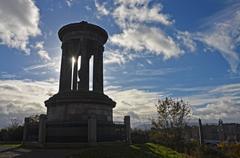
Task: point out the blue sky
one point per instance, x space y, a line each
182 49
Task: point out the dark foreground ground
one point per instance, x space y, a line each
36 153
147 150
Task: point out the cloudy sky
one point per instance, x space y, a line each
156 48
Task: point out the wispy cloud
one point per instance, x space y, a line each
213 103
220 39
51 65
114 57
5 75
69 2
221 32
158 72
39 46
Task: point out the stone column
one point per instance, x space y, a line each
221 131
98 70
83 84
66 69
128 129
42 129
75 73
92 130
201 137
25 129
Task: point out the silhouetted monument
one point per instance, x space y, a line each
76 113
75 102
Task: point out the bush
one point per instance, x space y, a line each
139 136
12 133
231 150
167 138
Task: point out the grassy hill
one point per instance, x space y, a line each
148 150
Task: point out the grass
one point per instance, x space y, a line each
148 150
10 145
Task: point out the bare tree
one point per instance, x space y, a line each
172 117
14 123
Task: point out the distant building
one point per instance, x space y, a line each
213 134
229 132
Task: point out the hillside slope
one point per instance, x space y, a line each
148 150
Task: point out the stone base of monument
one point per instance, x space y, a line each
79 106
78 117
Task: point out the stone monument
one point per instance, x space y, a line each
75 101
77 113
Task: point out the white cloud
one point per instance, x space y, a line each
41 51
186 41
44 54
131 2
5 75
149 61
119 56
142 38
139 11
114 58
88 8
69 2
135 19
21 98
141 102
227 89
221 102
51 65
225 109
19 20
101 8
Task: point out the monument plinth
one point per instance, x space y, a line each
74 101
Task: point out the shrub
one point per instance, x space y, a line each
139 136
14 132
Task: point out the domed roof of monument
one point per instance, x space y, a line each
82 26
